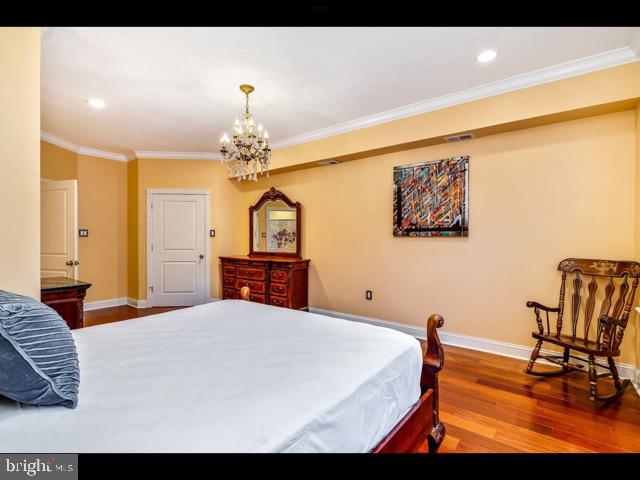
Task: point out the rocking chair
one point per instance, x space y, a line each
610 326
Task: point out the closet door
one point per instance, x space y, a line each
178 252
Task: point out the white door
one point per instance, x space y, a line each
58 223
178 250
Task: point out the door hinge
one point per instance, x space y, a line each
152 247
151 205
151 288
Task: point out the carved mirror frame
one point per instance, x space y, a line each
271 195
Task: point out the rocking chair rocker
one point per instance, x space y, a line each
610 327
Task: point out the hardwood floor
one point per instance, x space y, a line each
123 312
489 405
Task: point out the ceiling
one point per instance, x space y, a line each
176 89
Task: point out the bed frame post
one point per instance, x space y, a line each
432 363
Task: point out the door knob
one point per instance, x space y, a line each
201 256
69 263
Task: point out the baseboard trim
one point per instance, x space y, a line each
111 302
135 303
505 349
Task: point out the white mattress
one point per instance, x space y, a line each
229 376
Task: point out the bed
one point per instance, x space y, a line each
237 376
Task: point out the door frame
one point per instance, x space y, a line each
76 244
207 222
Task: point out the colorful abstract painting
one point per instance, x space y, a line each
431 199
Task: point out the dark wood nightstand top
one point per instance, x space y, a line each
61 283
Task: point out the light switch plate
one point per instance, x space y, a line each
212 233
83 232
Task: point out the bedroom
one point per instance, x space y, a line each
129 121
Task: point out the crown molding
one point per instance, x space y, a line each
91 152
581 66
572 68
60 142
178 155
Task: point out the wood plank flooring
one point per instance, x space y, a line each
123 312
489 405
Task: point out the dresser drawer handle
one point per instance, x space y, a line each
277 302
278 275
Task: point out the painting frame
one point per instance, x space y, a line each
431 199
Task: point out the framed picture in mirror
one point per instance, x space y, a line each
275 226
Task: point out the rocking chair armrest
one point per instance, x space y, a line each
607 320
531 304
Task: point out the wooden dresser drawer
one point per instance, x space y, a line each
255 297
229 270
279 275
252 273
278 289
254 287
277 301
279 281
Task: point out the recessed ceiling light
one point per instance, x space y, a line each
96 103
487 56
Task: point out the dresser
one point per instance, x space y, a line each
65 296
278 281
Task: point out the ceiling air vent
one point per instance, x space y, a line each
459 138
326 163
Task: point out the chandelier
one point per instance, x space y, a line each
248 152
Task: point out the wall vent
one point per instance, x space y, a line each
459 138
325 163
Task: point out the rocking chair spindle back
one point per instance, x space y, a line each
609 331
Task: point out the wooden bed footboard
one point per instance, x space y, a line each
422 423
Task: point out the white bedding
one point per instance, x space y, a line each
229 376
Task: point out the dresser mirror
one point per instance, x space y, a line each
274 226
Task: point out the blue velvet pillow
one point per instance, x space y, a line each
38 359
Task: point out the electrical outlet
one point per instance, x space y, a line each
369 295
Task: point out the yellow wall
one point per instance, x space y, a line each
536 196
194 174
57 163
20 160
132 229
102 209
